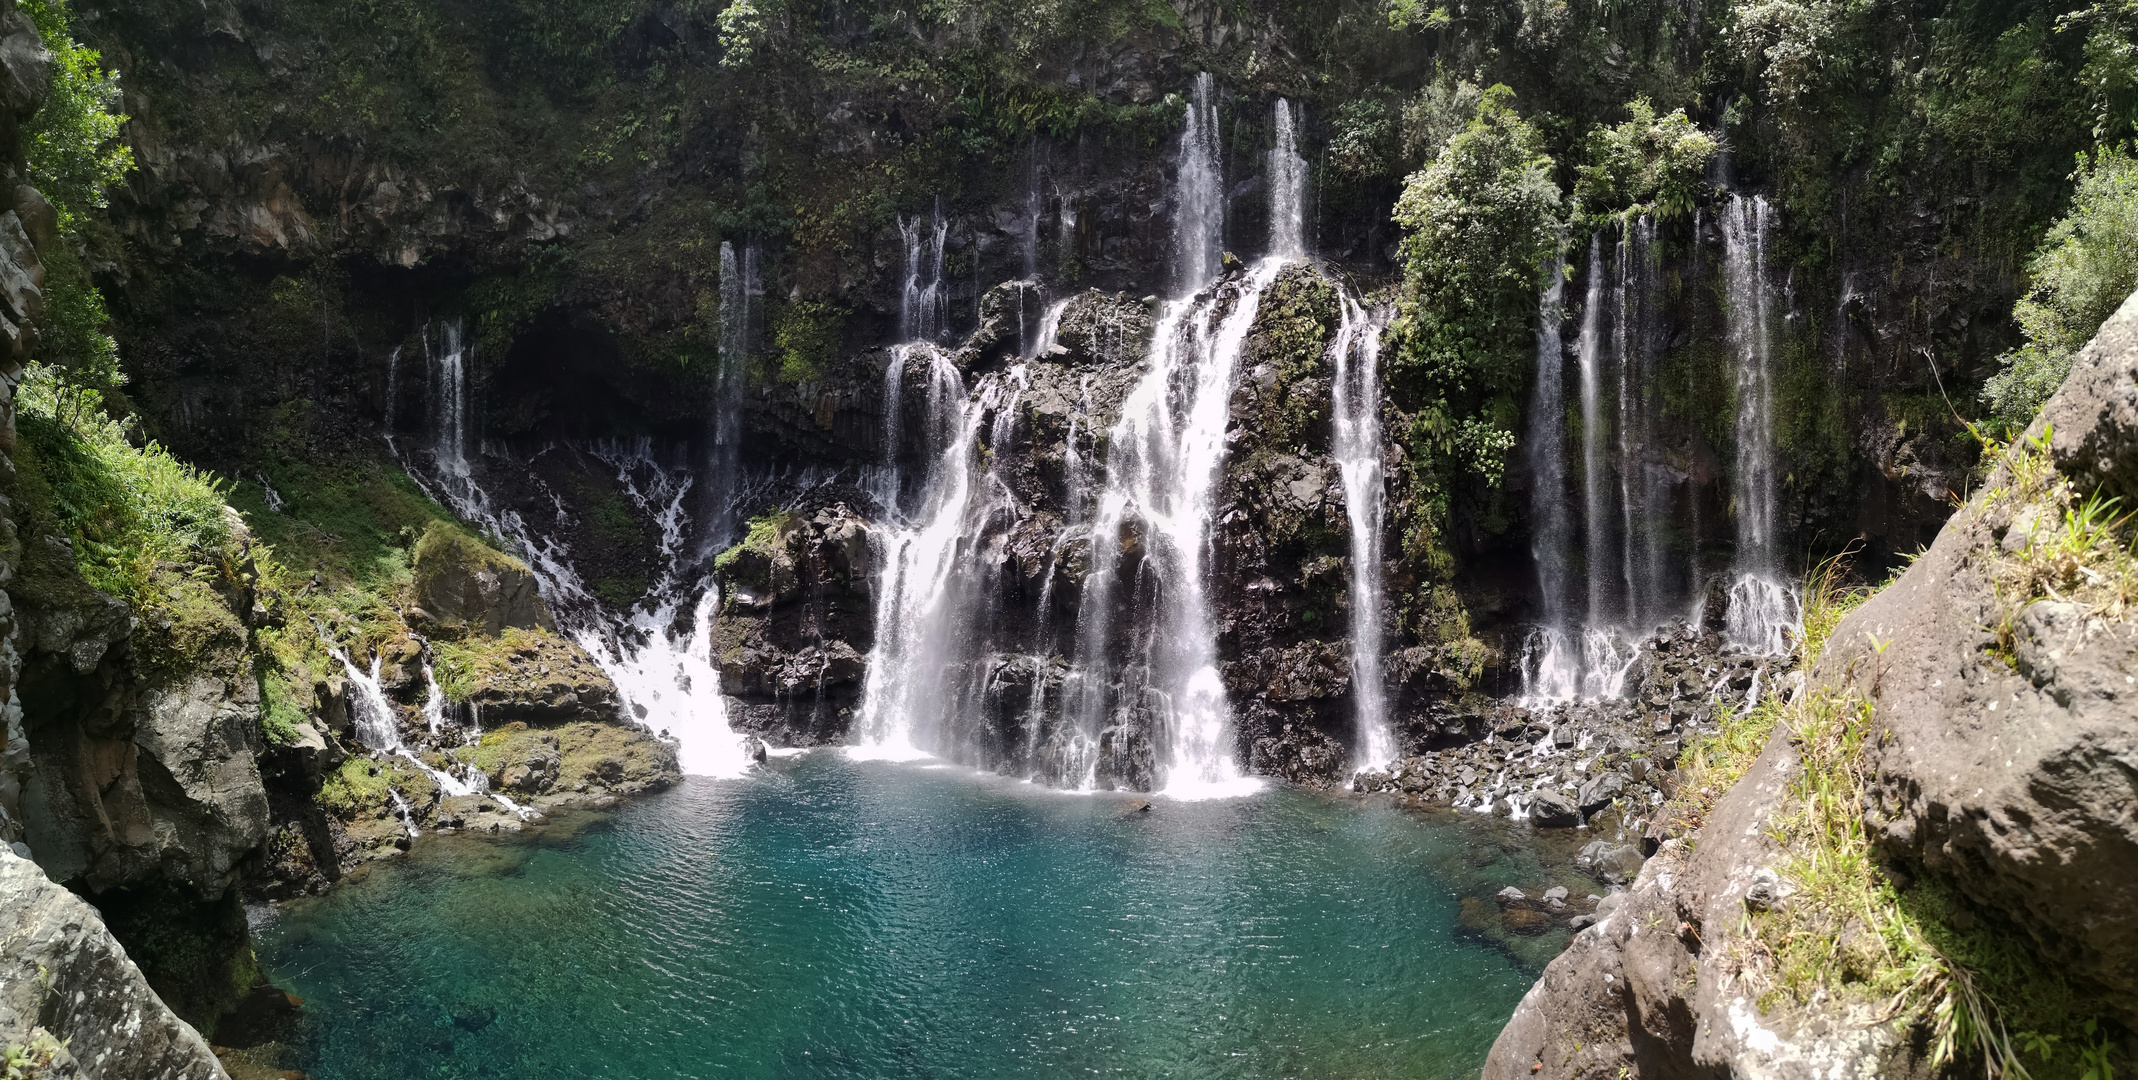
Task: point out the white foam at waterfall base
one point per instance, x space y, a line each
1590 664
1764 615
671 685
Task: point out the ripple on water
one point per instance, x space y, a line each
834 918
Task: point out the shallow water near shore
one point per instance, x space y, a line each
834 918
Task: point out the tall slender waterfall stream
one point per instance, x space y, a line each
1763 609
1357 406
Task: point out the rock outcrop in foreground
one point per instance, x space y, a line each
2001 763
73 1001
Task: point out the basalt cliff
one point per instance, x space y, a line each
428 416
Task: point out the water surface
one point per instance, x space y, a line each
832 918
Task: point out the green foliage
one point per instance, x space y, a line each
741 27
1478 223
805 340
1648 164
1441 110
73 142
1366 137
2110 75
124 509
75 154
2086 267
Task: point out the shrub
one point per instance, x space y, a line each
2083 271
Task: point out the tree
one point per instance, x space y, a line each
2083 271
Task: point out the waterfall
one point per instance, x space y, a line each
1644 495
1358 449
1163 457
1625 494
724 469
1199 217
916 698
668 683
1287 190
1551 670
393 389
449 382
1590 353
1763 610
924 305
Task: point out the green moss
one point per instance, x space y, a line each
446 546
752 561
356 788
805 340
468 664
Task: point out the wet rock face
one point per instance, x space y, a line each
69 993
796 623
2006 764
1562 764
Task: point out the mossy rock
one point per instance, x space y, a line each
461 583
572 762
525 675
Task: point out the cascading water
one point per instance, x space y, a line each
1162 462
667 682
1288 189
1358 450
923 307
920 669
1551 665
1199 215
1763 610
379 731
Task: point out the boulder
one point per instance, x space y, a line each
169 786
69 992
2013 779
462 583
1553 810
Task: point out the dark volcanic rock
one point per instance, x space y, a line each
70 995
2013 779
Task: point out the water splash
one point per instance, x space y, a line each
1358 450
